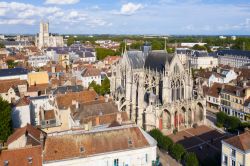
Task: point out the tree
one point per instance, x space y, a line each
102 89
2 45
221 118
5 120
11 64
232 123
105 87
190 159
177 151
70 41
198 47
104 52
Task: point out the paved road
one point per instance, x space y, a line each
211 117
167 160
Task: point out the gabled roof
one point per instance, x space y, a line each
156 60
65 100
136 59
214 90
7 84
13 72
66 147
241 141
234 52
19 157
28 129
90 71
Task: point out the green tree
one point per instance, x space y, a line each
5 120
11 64
232 123
71 40
190 159
104 52
102 89
198 47
177 151
105 87
157 45
221 118
2 45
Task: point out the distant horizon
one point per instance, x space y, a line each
153 35
176 17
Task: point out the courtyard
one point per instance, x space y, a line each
203 140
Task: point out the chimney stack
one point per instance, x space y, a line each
97 121
119 118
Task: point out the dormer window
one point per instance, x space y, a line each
30 160
237 93
82 149
6 163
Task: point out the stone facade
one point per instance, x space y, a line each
45 39
155 89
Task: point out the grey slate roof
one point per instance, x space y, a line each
136 59
13 72
65 89
156 60
234 52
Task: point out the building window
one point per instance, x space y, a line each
146 157
233 152
116 162
30 160
225 160
6 163
233 163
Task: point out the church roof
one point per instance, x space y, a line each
156 60
136 59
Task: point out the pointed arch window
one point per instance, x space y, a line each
176 69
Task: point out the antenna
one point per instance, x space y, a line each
165 43
125 49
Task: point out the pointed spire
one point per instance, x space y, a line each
125 45
165 43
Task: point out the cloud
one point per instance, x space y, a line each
61 2
130 8
17 21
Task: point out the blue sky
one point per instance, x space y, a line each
200 17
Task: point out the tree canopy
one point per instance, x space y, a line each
2 45
191 159
11 63
104 52
102 89
5 120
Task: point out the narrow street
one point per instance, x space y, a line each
166 159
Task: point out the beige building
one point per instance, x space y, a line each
36 78
45 39
236 150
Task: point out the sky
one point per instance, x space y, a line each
157 17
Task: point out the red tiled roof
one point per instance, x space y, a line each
7 84
214 90
88 72
65 100
20 157
93 143
26 129
241 141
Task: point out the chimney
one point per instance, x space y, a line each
119 118
97 121
42 139
106 98
218 70
42 114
